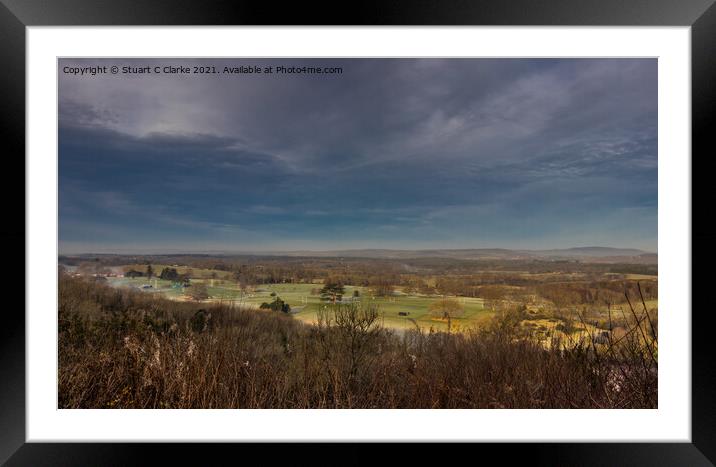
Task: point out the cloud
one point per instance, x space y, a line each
415 150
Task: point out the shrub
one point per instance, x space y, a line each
276 305
128 349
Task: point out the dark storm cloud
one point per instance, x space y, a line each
391 152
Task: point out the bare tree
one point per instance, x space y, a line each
354 325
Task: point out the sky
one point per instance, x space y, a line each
389 153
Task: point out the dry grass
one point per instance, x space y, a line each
125 349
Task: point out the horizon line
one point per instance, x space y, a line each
335 250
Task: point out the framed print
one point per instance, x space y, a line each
421 223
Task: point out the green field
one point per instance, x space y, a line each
158 285
305 306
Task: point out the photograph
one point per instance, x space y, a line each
357 233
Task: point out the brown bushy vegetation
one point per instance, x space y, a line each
124 349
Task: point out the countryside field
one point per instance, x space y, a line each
267 332
305 304
573 301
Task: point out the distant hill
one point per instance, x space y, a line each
597 251
591 253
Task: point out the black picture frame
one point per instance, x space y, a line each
700 15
